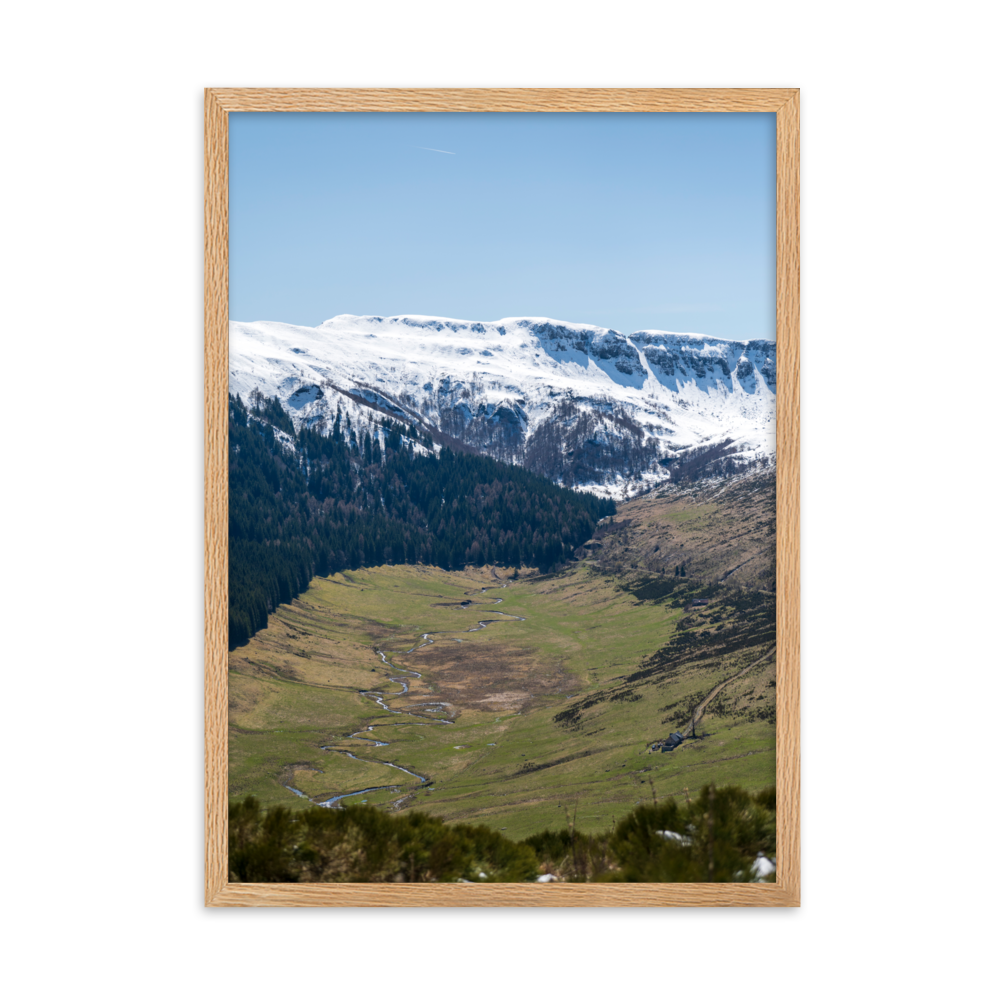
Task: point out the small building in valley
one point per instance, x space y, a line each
673 741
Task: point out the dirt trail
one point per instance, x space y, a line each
699 709
729 572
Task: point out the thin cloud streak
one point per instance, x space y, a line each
688 308
431 150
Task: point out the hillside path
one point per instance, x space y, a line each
703 704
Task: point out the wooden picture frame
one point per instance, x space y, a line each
219 102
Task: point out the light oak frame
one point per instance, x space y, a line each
219 102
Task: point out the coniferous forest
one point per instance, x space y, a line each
304 504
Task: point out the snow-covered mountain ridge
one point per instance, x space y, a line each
583 405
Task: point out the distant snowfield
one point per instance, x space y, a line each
582 404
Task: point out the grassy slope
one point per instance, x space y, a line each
295 688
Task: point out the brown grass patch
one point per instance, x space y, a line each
489 676
263 662
292 774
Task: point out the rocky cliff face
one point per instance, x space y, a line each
680 359
583 405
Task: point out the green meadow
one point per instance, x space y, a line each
518 725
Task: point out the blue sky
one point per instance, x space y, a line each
632 221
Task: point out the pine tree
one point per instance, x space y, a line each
320 512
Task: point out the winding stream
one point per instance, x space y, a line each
379 697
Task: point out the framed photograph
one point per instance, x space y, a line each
501 489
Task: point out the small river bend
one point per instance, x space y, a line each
381 698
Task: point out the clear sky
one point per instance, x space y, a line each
631 221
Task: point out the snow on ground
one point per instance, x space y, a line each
682 390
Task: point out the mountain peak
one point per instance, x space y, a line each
583 404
